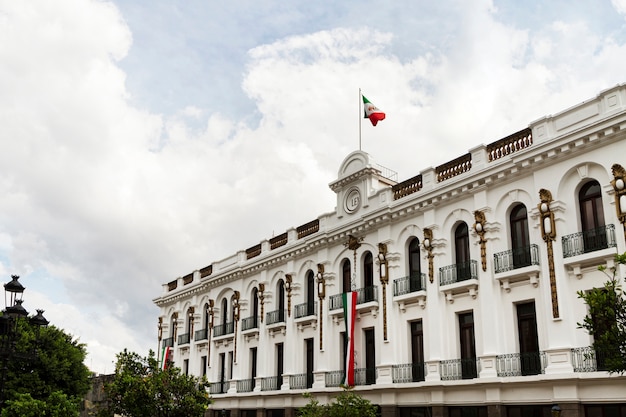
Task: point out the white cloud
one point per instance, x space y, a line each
103 201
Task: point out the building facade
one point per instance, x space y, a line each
466 277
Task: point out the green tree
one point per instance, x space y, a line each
606 319
347 404
45 370
140 388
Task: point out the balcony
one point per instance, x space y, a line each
411 289
517 265
168 342
521 364
587 359
365 376
334 378
219 387
250 323
408 372
183 339
250 327
301 381
305 314
275 321
363 296
459 278
201 335
224 329
270 383
455 369
589 248
305 310
245 385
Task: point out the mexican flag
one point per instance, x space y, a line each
349 313
372 112
166 357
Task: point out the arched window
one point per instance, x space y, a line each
206 317
255 305
592 217
462 252
310 293
280 290
368 270
346 275
415 270
520 241
224 312
368 277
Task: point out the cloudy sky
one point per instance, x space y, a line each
143 139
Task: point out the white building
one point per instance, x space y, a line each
467 277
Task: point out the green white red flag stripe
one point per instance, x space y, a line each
372 112
349 314
166 356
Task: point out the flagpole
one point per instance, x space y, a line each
360 118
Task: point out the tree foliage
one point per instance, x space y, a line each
606 319
347 404
140 388
45 370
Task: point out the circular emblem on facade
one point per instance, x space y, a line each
353 200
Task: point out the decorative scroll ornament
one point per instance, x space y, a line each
321 293
384 280
479 227
353 243
261 298
428 245
160 329
548 232
190 314
236 310
619 185
288 282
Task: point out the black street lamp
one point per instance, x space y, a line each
9 328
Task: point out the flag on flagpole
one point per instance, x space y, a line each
166 356
349 313
372 112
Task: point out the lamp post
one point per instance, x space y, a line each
10 329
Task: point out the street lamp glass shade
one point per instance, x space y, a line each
555 411
39 319
14 285
16 310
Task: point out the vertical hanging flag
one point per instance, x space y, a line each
349 313
372 112
166 356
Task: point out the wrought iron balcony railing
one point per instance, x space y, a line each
201 335
334 378
365 376
219 387
245 385
589 241
301 381
224 329
168 342
364 295
457 273
270 383
249 323
408 372
276 316
409 284
516 258
587 359
519 364
183 339
455 369
305 309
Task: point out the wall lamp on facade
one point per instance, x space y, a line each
261 298
555 411
428 246
382 262
236 305
619 185
288 282
321 282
